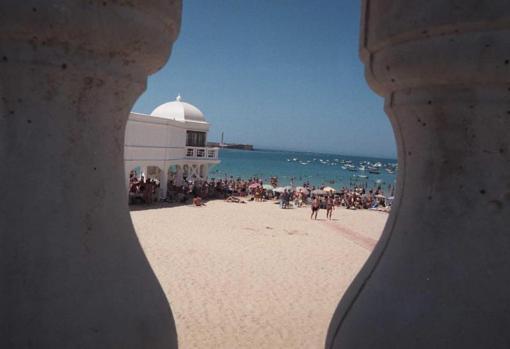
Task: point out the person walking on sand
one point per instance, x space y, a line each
329 207
315 207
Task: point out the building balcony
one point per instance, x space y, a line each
201 153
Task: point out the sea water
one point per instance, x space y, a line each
299 167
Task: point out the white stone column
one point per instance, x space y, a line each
206 172
178 175
440 276
127 172
143 171
163 184
72 272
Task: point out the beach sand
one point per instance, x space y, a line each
253 275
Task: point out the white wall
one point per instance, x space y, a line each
157 139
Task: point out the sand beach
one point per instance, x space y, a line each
254 275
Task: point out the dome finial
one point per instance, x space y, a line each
178 98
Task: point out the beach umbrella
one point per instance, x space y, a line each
254 185
329 189
268 187
319 192
379 196
288 187
303 190
279 190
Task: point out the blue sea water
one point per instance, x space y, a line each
316 168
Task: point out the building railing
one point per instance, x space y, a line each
201 153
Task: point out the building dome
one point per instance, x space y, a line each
178 110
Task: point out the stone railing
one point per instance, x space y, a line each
440 275
201 153
73 272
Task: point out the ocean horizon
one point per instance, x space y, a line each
297 167
380 157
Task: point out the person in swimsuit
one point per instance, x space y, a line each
234 199
315 207
329 207
197 201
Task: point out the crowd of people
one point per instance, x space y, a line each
142 189
253 189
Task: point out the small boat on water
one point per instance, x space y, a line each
373 169
390 168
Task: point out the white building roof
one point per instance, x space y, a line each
180 111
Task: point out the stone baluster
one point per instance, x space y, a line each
163 183
440 276
73 274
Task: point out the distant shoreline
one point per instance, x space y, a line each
231 146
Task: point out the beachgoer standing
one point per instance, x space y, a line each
315 207
329 207
283 199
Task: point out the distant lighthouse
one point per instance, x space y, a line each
221 143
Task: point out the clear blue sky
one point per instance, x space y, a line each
279 74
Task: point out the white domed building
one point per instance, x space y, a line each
169 145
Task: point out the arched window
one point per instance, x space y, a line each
172 172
